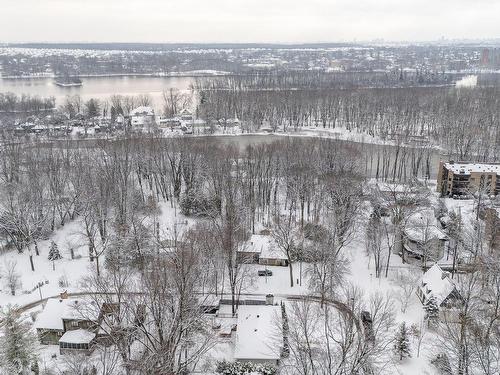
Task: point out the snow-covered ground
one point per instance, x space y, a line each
67 271
361 274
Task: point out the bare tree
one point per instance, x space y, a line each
326 268
283 235
374 241
407 281
13 278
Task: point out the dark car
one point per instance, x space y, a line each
265 273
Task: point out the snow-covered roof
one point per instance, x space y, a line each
78 336
142 111
79 309
271 251
184 112
70 309
437 283
424 233
264 245
468 168
50 317
255 244
256 333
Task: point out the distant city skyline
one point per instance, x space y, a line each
240 21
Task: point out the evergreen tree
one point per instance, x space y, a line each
431 309
18 345
54 254
402 342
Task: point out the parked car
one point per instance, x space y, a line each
265 273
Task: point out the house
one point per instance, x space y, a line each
271 255
258 334
169 122
228 122
261 249
49 325
436 283
61 315
426 242
250 251
77 341
463 178
119 121
79 314
185 115
142 118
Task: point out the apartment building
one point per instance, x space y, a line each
463 178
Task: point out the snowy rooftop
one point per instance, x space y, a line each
70 309
256 243
424 233
264 245
80 309
79 336
50 317
256 334
468 168
435 282
143 111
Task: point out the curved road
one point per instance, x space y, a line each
340 306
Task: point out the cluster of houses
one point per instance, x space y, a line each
142 119
77 126
76 325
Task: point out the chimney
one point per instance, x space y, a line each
270 299
63 295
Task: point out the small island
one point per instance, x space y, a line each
68 81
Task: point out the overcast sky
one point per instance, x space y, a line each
246 20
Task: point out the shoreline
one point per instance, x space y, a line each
187 74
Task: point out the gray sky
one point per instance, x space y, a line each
246 20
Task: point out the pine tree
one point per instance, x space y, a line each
402 343
18 345
431 309
54 254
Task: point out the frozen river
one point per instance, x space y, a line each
97 87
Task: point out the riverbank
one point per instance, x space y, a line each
186 74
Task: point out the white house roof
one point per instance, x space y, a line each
424 233
257 333
436 283
70 309
80 309
468 168
255 244
264 245
142 111
50 317
184 112
78 336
